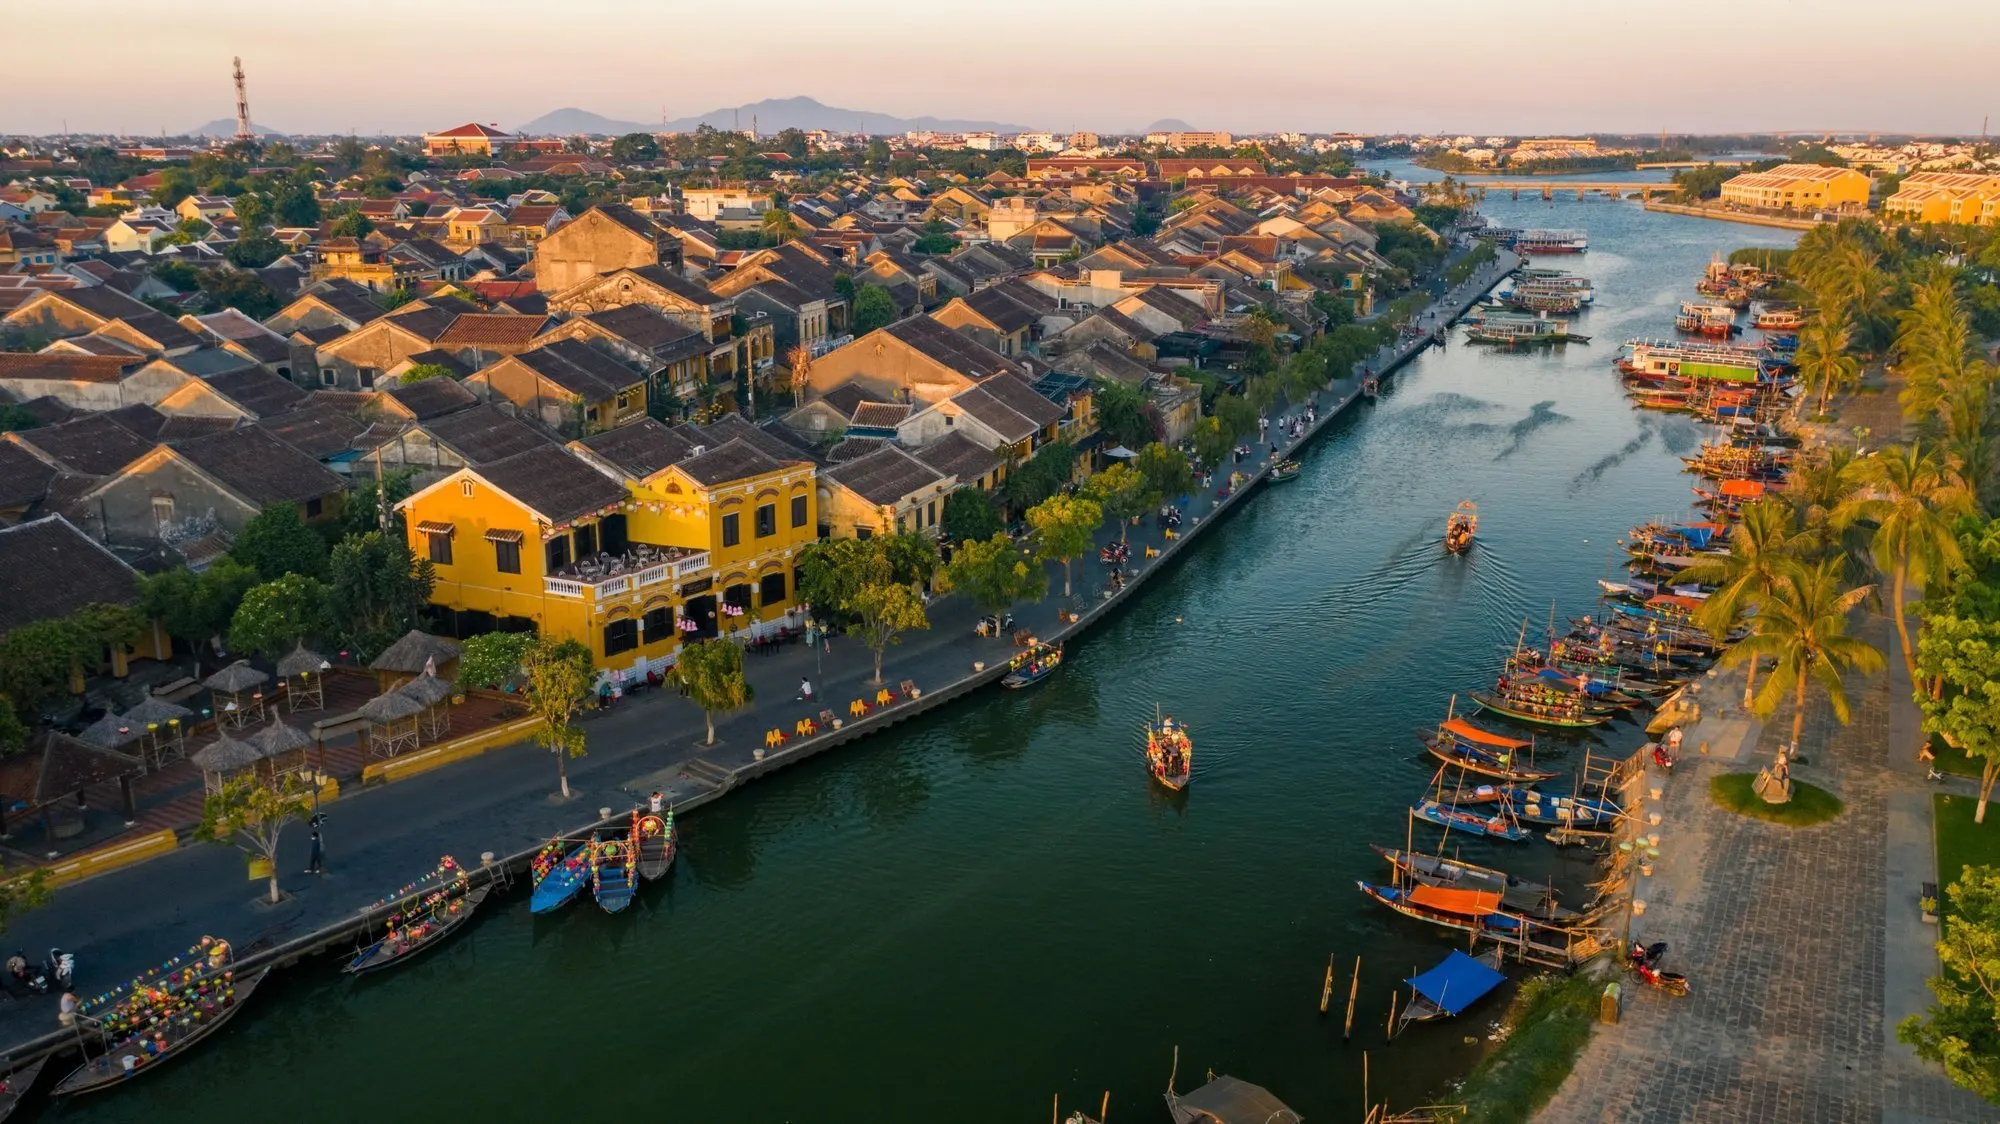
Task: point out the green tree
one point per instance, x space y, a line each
1824 365
1912 498
843 287
364 512
20 893
1961 1030
38 659
1760 546
1263 392
196 608
1237 415
1935 341
1166 470
1961 656
873 308
254 251
1044 473
253 815
969 515
297 205
1802 629
882 612
711 672
780 225
488 660
994 575
1124 416
635 147
1063 526
279 613
831 571
176 184
555 678
275 542
352 224
378 590
245 292
1123 493
1212 442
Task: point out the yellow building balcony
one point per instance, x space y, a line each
610 578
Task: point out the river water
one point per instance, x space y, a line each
990 906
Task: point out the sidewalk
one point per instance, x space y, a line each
504 801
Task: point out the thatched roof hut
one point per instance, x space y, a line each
415 653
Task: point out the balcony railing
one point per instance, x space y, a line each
644 566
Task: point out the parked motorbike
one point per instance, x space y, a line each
60 969
1644 961
1662 758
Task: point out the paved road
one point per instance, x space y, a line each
505 801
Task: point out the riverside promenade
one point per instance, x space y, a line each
503 802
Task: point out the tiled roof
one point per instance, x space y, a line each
53 570
91 444
488 329
642 448
949 348
259 467
24 478
955 454
474 130
483 434
579 368
257 390
671 280
732 460
319 431
644 326
999 309
732 427
880 415
884 476
553 483
69 367
431 398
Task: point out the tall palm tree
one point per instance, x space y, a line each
1821 489
1760 547
1802 627
1969 431
1934 340
1913 495
1824 365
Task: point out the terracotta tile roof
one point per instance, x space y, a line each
955 454
880 415
884 476
492 329
483 434
91 444
257 466
68 367
474 129
642 448
53 570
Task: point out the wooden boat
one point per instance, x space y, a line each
1522 333
1568 717
1779 318
1448 989
657 845
1371 387
614 875
1551 810
1499 825
1467 911
1031 665
1717 321
1169 752
18 1084
1531 899
1460 527
1226 1100
1458 742
150 1046
424 920
560 878
1287 469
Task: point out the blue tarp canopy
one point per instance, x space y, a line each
1695 536
1455 984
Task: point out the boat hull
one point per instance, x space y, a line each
107 1072
380 955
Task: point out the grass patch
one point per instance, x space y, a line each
1550 1020
1960 842
1950 759
1810 804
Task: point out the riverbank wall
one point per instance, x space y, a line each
699 781
1723 215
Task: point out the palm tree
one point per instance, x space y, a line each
1760 546
1934 339
1802 627
1824 365
1839 265
1969 429
1912 497
1823 486
780 224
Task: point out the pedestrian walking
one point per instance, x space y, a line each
805 691
316 859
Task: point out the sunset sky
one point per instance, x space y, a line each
1519 66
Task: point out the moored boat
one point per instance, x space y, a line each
1458 742
1032 664
614 877
657 845
426 916
1567 715
1169 752
1531 899
1550 242
16 1085
1779 318
1287 469
1554 810
159 1022
1498 825
559 873
1516 332
1448 989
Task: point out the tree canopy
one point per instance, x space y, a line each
994 575
711 672
275 542
1961 1030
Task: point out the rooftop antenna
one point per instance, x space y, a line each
243 132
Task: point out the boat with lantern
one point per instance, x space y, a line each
1032 664
614 875
1169 752
160 1016
1461 526
559 872
425 917
657 844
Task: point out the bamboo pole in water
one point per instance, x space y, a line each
1326 989
1104 1107
1391 1028
1353 990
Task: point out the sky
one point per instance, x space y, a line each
1461 66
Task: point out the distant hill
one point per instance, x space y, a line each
226 127
771 115
1169 125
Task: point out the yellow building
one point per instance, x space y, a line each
1798 187
1943 197
628 541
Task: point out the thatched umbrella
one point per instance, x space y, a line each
233 681
224 760
69 766
303 673
435 695
284 746
110 732
417 653
386 713
162 722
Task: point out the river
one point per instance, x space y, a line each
989 906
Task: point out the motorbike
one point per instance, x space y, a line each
60 969
1662 757
1644 962
994 626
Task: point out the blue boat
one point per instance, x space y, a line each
1499 826
1455 984
1032 664
614 876
1530 806
560 881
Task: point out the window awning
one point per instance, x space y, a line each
501 535
436 527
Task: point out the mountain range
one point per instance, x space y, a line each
771 115
226 127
